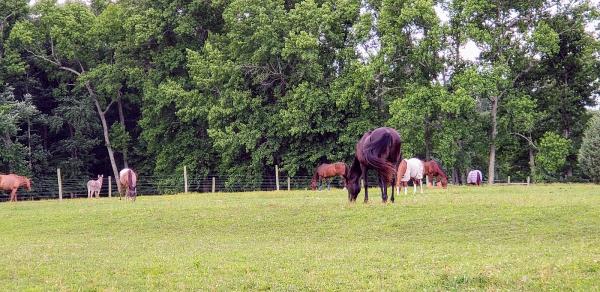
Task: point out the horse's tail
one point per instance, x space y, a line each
383 167
479 178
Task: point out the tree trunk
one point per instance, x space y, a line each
29 144
102 114
492 158
531 162
122 121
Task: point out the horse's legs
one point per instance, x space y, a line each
421 184
393 186
366 183
383 187
328 184
13 195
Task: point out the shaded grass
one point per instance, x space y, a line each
490 238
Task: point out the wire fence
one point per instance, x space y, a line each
47 188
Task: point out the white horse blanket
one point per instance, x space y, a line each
414 169
473 175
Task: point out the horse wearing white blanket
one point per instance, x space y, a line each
411 169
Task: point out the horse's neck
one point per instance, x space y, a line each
355 170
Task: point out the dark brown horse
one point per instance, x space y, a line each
326 171
381 151
12 182
432 169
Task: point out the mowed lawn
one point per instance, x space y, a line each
489 238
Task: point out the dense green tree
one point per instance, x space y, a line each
552 155
588 153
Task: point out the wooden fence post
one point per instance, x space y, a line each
60 190
277 177
185 181
289 184
528 180
509 179
213 184
110 187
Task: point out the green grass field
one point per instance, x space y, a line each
490 238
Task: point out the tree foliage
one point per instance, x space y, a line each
588 153
236 87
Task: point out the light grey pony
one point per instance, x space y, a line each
94 187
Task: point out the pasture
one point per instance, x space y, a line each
502 237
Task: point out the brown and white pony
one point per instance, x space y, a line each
326 171
411 169
94 187
128 181
11 182
381 151
432 169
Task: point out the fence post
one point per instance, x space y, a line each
509 179
289 184
213 184
60 190
110 187
185 188
528 180
277 177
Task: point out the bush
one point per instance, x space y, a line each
552 155
589 160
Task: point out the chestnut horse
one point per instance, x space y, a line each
380 150
432 169
128 181
475 177
11 182
411 169
326 171
94 187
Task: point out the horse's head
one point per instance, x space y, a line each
27 184
132 190
444 182
352 179
353 187
313 185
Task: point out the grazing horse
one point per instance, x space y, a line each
94 187
326 171
411 169
432 169
475 177
380 150
11 182
128 181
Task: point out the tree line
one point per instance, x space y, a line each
233 87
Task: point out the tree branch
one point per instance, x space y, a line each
526 139
108 107
53 62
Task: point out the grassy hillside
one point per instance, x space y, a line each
541 237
